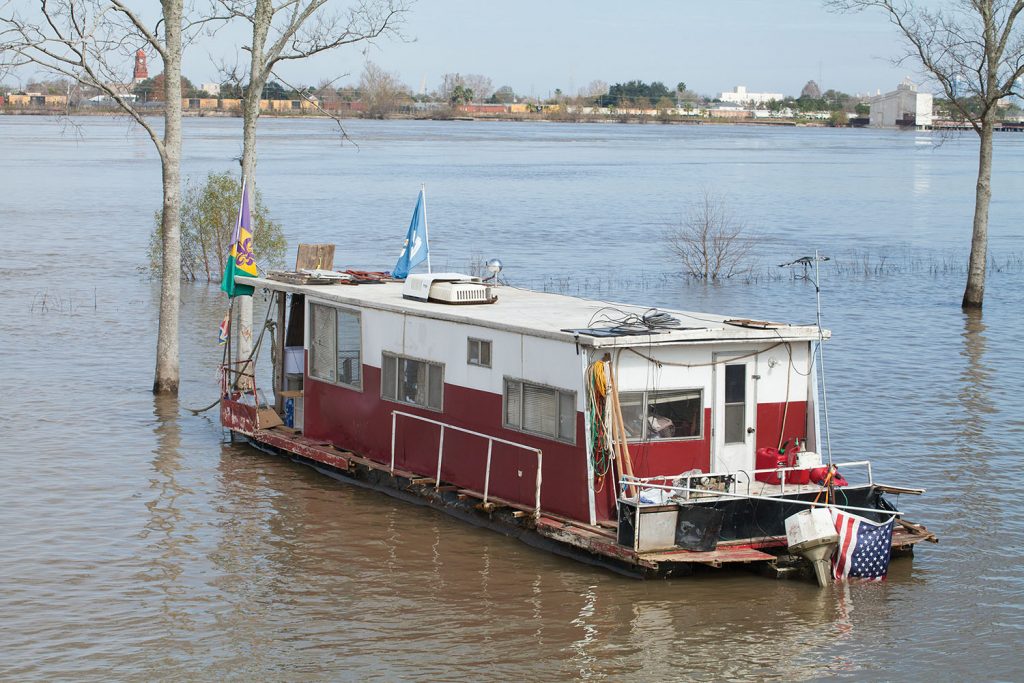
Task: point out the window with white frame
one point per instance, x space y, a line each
412 381
540 409
661 415
335 346
478 352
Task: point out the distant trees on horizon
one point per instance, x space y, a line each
384 93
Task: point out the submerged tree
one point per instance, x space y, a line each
91 42
710 242
208 215
974 49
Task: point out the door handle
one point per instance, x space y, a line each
750 430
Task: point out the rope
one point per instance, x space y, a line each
602 453
785 410
223 361
255 352
199 411
660 363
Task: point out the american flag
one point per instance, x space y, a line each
864 547
224 330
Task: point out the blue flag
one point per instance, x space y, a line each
414 251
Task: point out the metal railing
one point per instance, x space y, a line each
491 440
648 482
750 476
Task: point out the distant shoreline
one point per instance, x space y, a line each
515 118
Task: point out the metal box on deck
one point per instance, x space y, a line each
647 527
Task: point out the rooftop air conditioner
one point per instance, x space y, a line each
448 288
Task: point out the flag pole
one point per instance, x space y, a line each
241 201
244 314
426 228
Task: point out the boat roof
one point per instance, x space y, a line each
554 316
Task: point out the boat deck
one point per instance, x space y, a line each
590 543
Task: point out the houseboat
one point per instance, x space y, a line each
648 441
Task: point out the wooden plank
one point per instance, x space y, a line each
712 557
420 481
582 538
884 488
315 257
908 533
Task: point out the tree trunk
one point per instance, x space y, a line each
167 378
974 293
262 17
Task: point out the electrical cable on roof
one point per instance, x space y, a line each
627 322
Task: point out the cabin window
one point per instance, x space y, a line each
479 352
416 382
736 403
540 409
662 415
335 348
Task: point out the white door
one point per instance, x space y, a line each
734 416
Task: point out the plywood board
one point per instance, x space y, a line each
315 257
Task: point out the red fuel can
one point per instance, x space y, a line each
769 458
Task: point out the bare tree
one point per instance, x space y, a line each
287 31
710 242
974 49
594 89
448 83
380 91
480 85
92 43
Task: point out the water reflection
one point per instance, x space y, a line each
975 395
167 543
583 659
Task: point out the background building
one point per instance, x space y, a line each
140 73
904 107
739 95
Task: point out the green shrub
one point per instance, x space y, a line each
208 215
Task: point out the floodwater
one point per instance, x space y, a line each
138 543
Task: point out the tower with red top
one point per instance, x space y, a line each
141 73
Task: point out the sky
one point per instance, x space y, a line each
537 46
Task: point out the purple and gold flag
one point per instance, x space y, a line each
240 259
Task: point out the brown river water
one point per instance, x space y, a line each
137 542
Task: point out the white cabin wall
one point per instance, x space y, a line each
382 331
553 363
538 360
449 346
773 366
637 374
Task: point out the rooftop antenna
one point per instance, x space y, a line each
806 262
